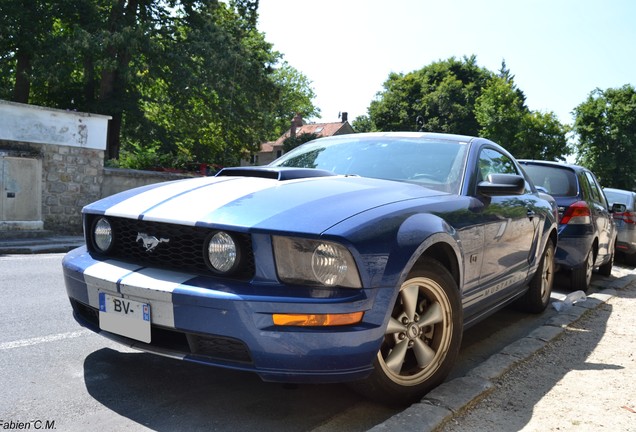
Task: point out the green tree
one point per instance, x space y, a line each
504 118
294 96
499 111
188 78
542 136
458 96
437 98
363 123
25 29
605 125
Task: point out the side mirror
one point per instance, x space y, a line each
618 208
502 184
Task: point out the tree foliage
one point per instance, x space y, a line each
439 97
458 96
187 77
606 128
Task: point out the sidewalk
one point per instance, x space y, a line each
42 243
583 381
502 393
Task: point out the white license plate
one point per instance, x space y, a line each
124 317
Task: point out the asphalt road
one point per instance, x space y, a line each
55 373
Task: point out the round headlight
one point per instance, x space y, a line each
329 264
223 252
103 234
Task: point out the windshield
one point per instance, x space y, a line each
436 164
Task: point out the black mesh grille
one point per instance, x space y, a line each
181 247
219 347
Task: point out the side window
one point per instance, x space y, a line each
493 162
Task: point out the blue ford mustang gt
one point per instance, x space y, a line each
357 258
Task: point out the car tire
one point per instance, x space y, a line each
422 338
537 298
581 277
630 259
606 269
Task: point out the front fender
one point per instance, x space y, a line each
424 234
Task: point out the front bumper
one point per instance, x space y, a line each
229 323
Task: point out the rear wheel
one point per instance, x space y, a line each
630 259
421 340
538 296
606 269
581 277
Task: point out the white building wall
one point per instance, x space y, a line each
30 123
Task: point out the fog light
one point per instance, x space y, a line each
103 235
223 253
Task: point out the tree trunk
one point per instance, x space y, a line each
22 78
114 131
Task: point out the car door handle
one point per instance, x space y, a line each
531 214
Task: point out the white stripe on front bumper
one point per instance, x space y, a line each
152 286
104 276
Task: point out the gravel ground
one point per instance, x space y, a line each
585 380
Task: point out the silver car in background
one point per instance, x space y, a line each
625 222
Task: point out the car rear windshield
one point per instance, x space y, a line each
436 164
556 180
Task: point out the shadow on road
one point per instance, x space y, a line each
169 395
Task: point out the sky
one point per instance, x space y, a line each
559 51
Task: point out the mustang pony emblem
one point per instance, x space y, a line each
150 242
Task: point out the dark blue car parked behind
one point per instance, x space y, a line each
587 232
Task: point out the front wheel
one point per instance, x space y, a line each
421 340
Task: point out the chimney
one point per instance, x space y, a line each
345 117
296 122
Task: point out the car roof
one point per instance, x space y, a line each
553 164
619 191
428 135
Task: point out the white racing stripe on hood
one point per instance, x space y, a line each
193 206
137 204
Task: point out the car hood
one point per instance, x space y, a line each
308 205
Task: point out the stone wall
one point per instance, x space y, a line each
118 180
71 178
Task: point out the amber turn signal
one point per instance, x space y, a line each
317 320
